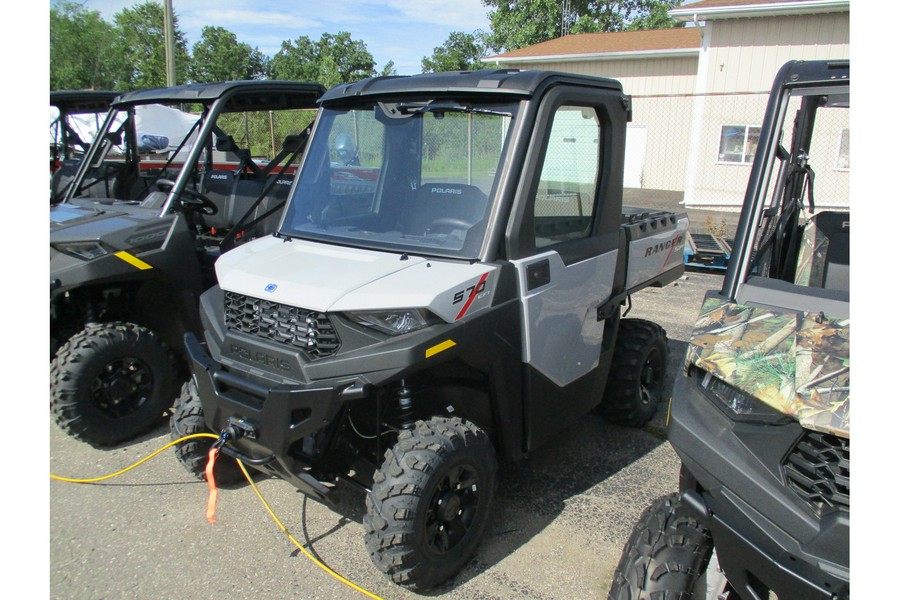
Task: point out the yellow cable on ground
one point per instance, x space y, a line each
265 504
140 462
306 552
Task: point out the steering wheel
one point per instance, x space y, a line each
190 198
449 223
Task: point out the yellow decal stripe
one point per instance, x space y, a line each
439 348
133 260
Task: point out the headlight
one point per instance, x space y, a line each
394 322
738 405
82 250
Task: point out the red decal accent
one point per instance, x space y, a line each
671 250
462 312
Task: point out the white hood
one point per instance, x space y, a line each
324 278
302 273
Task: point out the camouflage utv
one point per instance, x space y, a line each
760 416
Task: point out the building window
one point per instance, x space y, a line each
737 144
843 158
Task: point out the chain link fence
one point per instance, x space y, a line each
263 132
695 152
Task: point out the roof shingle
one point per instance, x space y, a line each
678 38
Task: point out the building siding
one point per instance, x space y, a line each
680 104
745 54
639 77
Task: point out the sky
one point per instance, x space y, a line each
404 31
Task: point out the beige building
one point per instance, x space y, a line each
699 92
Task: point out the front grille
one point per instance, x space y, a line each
818 469
306 330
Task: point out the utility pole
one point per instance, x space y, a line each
169 31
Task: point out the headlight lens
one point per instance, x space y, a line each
394 322
739 405
83 250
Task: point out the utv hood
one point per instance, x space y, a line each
327 278
301 273
798 363
69 222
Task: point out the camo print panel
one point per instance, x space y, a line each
810 261
797 363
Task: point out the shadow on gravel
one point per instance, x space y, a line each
534 492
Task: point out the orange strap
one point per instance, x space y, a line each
211 482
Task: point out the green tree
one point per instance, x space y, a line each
218 56
460 52
140 47
657 18
333 60
523 23
296 60
388 70
516 24
80 42
348 60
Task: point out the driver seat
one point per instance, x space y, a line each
433 201
218 185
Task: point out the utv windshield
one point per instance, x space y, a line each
414 177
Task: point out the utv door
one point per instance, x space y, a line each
564 242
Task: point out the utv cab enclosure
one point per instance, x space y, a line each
444 289
173 177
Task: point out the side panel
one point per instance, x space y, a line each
654 247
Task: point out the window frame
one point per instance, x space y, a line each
745 159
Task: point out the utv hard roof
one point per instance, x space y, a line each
805 73
82 101
247 95
487 81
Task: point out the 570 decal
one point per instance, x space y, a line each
472 289
468 294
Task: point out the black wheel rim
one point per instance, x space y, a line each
452 509
651 375
123 386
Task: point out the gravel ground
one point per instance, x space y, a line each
561 516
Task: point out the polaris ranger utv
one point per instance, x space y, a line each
444 288
157 196
76 110
760 416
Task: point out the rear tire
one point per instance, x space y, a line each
666 556
430 502
187 419
637 374
111 382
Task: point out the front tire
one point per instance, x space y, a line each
666 556
637 374
187 419
430 503
111 382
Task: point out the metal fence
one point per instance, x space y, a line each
702 146
263 132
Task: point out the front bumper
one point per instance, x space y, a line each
765 535
274 418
